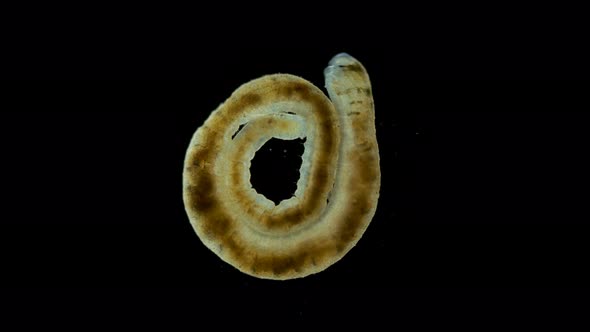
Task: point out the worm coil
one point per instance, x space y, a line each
339 182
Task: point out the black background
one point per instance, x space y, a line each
484 182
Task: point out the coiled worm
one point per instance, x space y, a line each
339 182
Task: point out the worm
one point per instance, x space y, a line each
338 188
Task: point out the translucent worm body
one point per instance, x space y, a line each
339 182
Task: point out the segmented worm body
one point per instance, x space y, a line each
339 182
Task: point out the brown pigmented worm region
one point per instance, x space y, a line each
339 182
